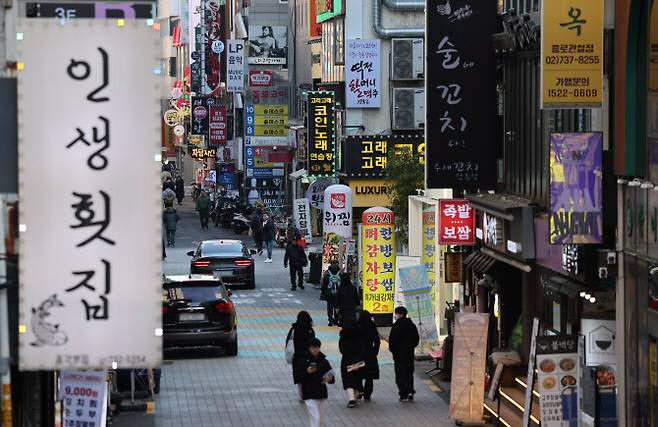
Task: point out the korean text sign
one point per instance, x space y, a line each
337 210
321 134
302 216
79 298
417 292
84 396
378 260
362 74
558 375
217 125
429 244
456 222
576 165
235 66
572 54
460 88
367 155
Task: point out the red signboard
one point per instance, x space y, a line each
456 222
217 126
315 29
260 78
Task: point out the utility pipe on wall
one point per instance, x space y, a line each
399 5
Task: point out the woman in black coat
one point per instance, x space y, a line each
303 333
370 340
350 345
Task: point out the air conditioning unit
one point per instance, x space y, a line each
407 59
408 108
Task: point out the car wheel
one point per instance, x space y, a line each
232 348
251 284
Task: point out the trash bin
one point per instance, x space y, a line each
315 271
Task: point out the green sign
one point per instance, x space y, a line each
327 9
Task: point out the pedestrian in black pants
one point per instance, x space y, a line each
370 340
328 291
203 207
180 189
296 257
257 229
169 219
347 298
301 333
402 342
350 345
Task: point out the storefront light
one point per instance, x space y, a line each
582 294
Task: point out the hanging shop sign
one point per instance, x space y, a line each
235 66
179 130
327 9
456 222
558 377
417 294
314 28
576 188
370 192
217 125
429 244
72 308
203 153
378 260
266 120
316 61
469 355
171 118
453 267
600 341
367 155
98 10
276 95
215 54
260 78
196 60
363 85
84 397
572 54
461 86
315 192
268 45
321 134
200 114
302 215
337 211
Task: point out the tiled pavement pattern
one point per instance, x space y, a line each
255 388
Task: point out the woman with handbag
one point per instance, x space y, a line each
350 345
299 336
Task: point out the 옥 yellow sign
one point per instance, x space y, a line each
572 53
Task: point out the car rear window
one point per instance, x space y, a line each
225 248
194 293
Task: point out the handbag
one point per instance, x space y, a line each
290 346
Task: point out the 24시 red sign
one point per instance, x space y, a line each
456 222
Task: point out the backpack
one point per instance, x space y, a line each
334 282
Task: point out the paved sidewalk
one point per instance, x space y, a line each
255 388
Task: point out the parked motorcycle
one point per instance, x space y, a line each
240 223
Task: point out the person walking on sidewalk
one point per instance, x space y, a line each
269 232
168 197
256 228
347 299
169 219
301 332
402 341
180 189
296 257
314 372
291 232
370 340
350 345
203 206
328 291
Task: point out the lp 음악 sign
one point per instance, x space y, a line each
456 222
83 178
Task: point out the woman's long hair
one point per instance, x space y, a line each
304 320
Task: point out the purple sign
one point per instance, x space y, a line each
576 188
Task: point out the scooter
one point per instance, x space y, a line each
240 223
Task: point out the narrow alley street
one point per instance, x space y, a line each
255 388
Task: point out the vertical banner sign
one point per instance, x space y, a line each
456 222
214 49
337 222
314 28
235 66
429 247
576 165
460 87
196 61
200 114
468 359
558 375
302 215
321 134
378 260
363 76
415 286
572 53
84 396
76 307
217 125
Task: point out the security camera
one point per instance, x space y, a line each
611 257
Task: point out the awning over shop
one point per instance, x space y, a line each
479 262
564 286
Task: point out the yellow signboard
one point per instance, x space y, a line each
270 131
653 51
367 193
378 260
572 53
270 110
270 120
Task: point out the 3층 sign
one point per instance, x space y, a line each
79 299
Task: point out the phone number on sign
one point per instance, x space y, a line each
575 93
572 59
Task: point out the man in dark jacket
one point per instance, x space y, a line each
402 342
315 373
203 206
257 229
269 233
347 299
329 289
169 220
180 189
296 256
